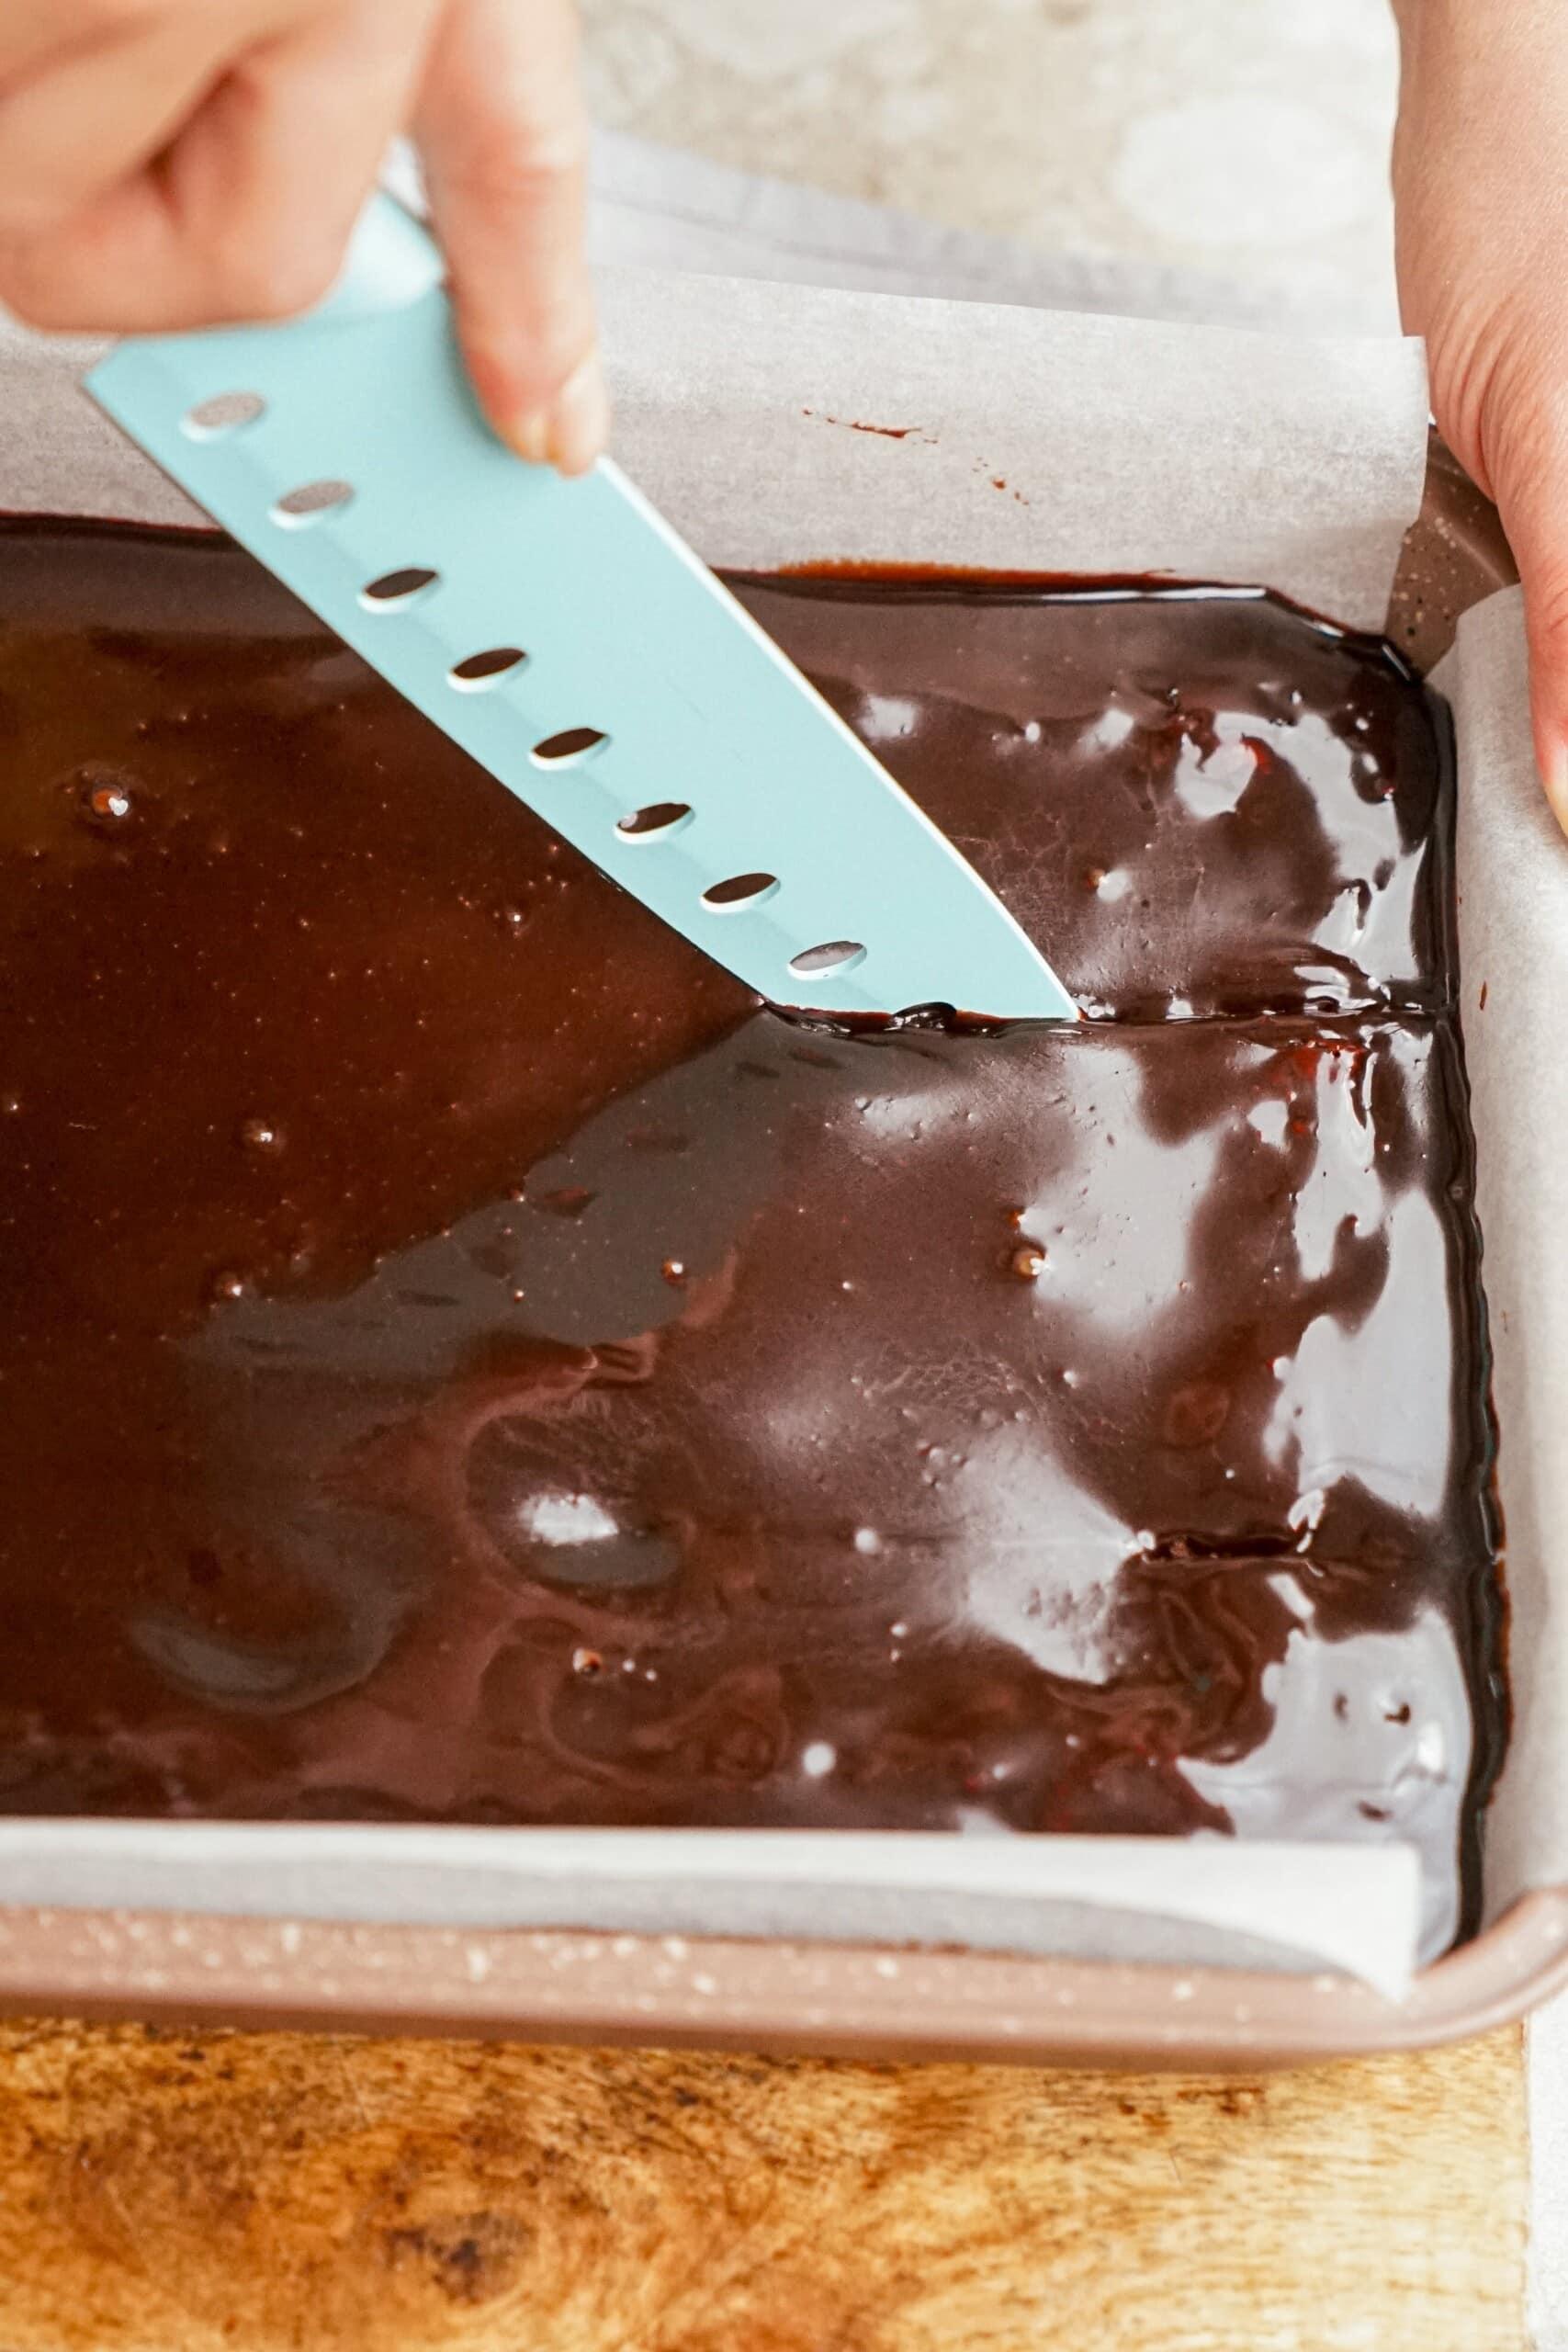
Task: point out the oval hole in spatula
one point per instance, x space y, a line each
656 822
738 892
834 955
477 672
394 590
306 504
570 748
224 413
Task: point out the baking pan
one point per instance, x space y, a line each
861 2001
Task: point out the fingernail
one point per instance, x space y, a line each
1554 775
1551 757
578 421
530 436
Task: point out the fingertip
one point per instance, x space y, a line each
1552 759
568 431
1546 627
579 418
1549 726
528 437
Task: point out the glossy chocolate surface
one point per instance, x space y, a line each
1197 805
461 1361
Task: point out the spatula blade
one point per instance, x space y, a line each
567 638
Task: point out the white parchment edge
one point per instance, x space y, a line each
1029 440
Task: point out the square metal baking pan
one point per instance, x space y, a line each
833 2000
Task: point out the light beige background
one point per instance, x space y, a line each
1246 137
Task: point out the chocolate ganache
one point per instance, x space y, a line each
461 1360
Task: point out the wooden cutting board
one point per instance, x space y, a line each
169 2193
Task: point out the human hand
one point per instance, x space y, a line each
169 164
1481 197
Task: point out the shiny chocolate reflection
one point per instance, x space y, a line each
1195 804
461 1361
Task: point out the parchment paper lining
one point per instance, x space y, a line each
1513 917
1028 440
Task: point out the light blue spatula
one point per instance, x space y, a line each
568 640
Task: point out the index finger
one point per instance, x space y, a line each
505 139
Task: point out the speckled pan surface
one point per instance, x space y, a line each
821 1999
831 1998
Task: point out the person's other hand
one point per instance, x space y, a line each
1481 195
169 164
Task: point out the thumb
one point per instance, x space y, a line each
1530 486
504 142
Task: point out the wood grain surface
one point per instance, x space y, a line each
161 2192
